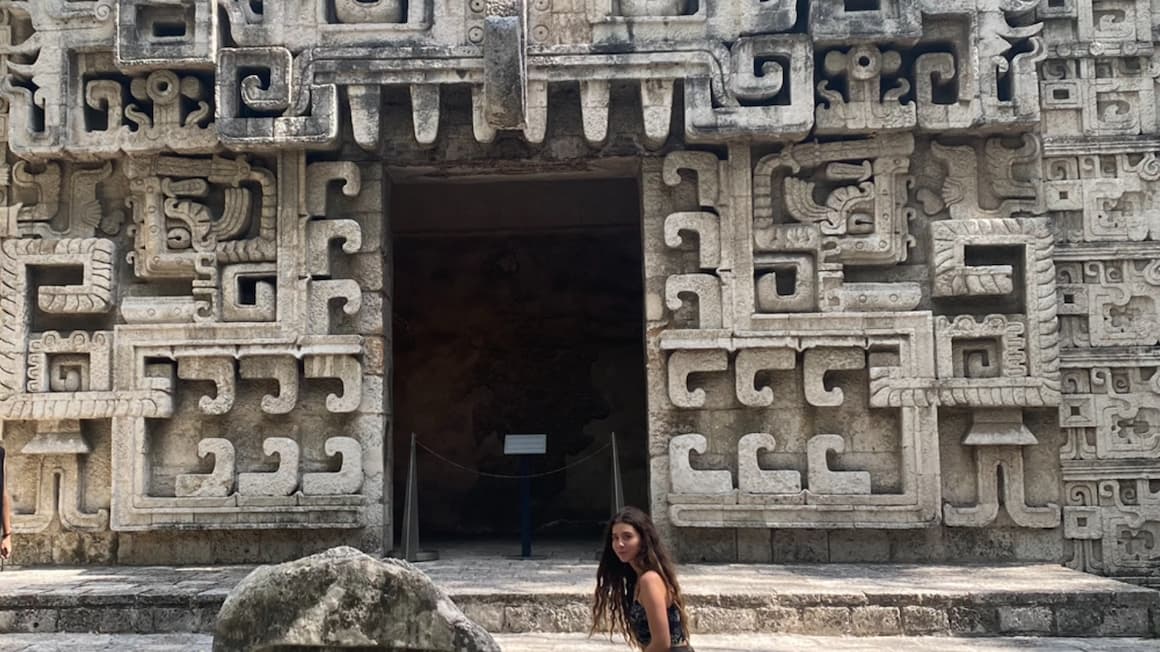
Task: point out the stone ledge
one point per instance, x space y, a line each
749 642
555 597
1019 616
530 616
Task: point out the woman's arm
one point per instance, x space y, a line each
654 597
6 526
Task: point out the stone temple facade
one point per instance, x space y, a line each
900 260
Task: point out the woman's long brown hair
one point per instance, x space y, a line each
616 580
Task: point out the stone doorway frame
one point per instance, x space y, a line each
487 171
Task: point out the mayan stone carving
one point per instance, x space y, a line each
900 259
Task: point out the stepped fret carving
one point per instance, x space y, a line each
752 479
885 244
282 481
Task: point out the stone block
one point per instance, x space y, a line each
982 544
368 201
1124 621
723 620
28 621
207 615
1077 621
708 545
371 316
372 231
546 618
924 621
800 546
826 621
777 619
374 355
108 620
169 34
487 615
1039 545
875 621
58 597
1025 620
754 545
102 595
857 546
367 269
177 620
573 617
33 549
917 546
972 621
238 547
84 547
163 548
277 546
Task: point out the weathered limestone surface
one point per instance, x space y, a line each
582 643
900 256
553 594
344 598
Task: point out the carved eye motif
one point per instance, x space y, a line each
865 63
178 238
163 86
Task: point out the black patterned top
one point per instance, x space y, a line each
638 619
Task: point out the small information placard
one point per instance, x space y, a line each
525 444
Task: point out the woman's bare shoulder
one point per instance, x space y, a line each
650 579
653 586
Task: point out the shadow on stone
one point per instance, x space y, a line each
343 599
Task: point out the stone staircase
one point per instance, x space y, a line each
552 596
545 642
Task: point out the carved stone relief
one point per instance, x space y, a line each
230 331
862 221
803 486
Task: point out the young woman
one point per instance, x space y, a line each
637 593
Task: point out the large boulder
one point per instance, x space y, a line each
343 598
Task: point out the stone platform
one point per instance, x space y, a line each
552 595
581 643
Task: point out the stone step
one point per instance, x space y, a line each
580 643
798 643
840 600
554 595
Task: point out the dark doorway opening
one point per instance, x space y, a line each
517 308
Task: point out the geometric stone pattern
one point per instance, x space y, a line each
881 242
1099 176
224 282
183 332
895 289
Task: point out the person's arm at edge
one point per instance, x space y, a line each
654 597
6 526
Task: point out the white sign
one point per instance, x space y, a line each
525 444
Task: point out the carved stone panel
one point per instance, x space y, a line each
784 477
865 225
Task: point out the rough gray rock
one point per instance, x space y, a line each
343 598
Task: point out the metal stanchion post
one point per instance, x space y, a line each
617 487
410 540
525 446
525 507
617 498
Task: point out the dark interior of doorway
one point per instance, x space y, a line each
517 308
